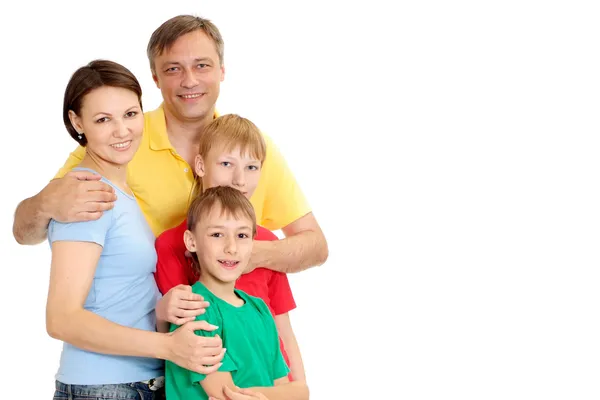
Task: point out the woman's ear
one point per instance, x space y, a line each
75 121
199 166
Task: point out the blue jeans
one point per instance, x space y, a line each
123 391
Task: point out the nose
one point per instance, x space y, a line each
121 129
189 80
230 245
239 178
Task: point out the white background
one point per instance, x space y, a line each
450 153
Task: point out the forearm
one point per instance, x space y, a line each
287 391
31 221
88 331
296 365
163 326
292 254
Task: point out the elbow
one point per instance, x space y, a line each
304 393
56 326
323 252
53 327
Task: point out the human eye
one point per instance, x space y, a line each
202 66
226 163
172 69
216 234
253 167
101 120
243 236
131 114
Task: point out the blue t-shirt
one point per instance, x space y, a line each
123 290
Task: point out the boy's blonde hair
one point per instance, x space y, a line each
232 203
228 132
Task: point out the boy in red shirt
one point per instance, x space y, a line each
231 153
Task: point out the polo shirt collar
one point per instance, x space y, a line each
157 130
156 126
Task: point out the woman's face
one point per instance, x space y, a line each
112 121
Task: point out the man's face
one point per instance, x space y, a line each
189 76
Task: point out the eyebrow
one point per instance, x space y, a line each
107 113
164 64
223 227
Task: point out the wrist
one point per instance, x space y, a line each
42 204
162 347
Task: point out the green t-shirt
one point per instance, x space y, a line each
250 336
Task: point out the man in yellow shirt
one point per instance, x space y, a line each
186 58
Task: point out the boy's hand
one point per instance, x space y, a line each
180 305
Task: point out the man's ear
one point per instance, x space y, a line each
190 241
155 79
199 166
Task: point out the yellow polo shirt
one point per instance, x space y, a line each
162 181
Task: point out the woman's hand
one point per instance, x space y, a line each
196 353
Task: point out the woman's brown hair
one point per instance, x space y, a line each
94 75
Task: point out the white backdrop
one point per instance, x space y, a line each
450 153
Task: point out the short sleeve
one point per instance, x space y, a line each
86 231
280 293
280 368
74 159
171 262
284 201
212 317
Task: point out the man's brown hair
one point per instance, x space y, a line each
166 34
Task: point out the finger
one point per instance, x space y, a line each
101 186
215 359
87 216
187 288
181 321
201 369
181 313
192 305
202 326
189 296
97 207
100 196
84 175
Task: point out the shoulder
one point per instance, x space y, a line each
255 302
172 237
86 231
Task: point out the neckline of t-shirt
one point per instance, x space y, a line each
107 180
220 300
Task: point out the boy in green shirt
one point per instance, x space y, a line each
221 226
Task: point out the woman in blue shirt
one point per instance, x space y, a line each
102 294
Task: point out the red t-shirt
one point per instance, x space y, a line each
174 268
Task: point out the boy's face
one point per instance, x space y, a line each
234 169
189 76
223 244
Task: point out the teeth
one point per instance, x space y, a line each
191 96
121 145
